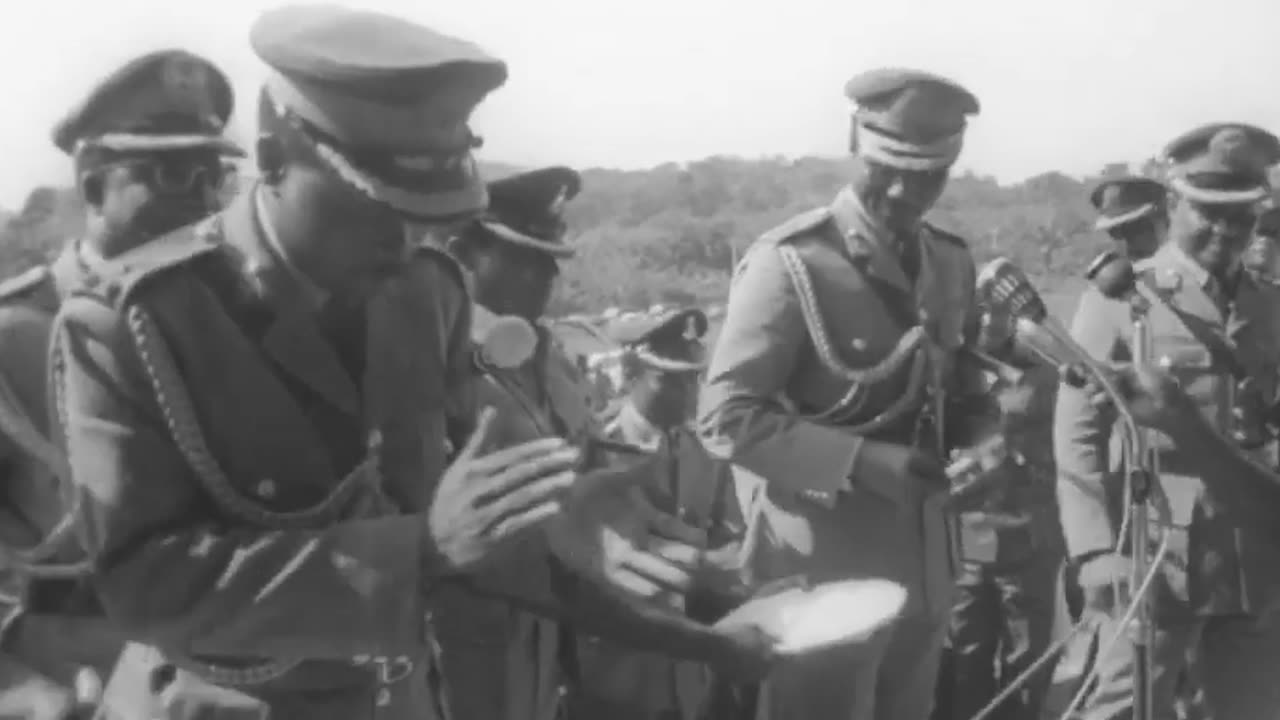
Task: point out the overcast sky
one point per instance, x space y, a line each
1066 85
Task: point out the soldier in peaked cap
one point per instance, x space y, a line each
827 386
512 252
296 565
662 357
1219 331
1132 210
147 146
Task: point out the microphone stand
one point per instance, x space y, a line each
1141 469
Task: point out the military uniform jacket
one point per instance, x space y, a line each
1221 560
255 508
825 341
502 662
699 488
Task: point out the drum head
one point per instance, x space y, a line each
837 613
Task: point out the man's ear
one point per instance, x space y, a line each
270 157
90 187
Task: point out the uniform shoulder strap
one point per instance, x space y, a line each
796 226
119 279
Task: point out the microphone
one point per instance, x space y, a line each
1113 276
1005 289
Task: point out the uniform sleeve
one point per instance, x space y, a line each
741 418
171 574
1081 437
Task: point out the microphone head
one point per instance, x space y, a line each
1003 285
1113 275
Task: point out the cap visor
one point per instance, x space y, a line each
423 206
558 250
1219 197
159 143
1107 222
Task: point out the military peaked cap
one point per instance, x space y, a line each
528 209
165 100
1125 200
671 342
1223 163
909 119
386 102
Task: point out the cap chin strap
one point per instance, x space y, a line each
885 149
1217 197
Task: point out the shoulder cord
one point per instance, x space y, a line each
906 349
176 407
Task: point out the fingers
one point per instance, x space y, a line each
516 476
522 453
546 491
659 570
479 435
526 519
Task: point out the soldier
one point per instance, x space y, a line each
1132 211
148 150
512 254
1004 611
1220 332
272 412
662 357
827 383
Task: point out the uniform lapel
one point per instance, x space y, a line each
1192 296
865 240
293 338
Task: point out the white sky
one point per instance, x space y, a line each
1066 85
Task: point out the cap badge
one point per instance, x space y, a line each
556 207
187 82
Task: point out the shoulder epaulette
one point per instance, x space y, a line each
796 226
940 234
119 278
24 283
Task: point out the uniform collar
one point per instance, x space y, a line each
866 239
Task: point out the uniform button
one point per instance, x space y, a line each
375 440
859 344
383 698
265 489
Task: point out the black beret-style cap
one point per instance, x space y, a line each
165 100
1124 200
528 208
671 342
1222 163
387 101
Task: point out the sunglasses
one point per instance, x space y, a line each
175 175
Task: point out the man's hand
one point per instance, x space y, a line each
610 533
1152 395
1099 579
484 502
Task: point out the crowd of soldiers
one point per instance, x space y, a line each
317 453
